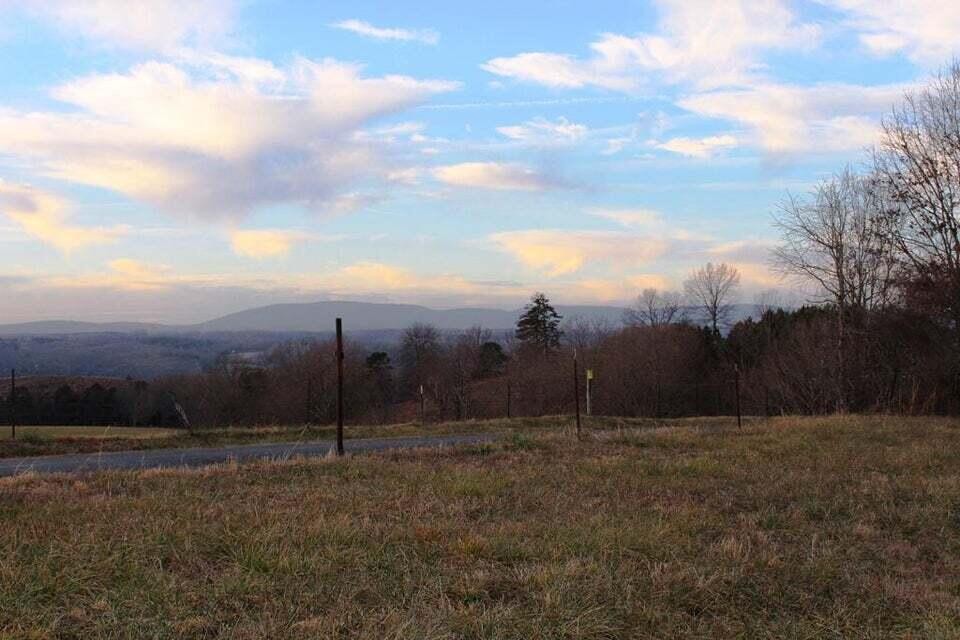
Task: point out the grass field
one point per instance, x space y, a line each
794 528
55 432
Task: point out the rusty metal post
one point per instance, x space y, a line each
576 391
339 387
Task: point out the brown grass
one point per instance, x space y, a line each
797 528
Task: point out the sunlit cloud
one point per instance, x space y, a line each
260 244
560 252
212 143
46 217
493 175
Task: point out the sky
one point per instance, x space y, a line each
173 161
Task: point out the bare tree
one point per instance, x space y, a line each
918 164
655 308
833 240
711 287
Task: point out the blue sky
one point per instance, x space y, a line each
171 160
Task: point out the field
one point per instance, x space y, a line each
38 441
60 433
792 528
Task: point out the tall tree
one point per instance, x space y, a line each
918 164
711 287
833 240
539 325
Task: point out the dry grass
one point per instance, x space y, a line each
56 432
797 528
39 441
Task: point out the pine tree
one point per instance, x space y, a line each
539 325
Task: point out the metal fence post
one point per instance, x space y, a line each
13 404
576 391
339 387
736 386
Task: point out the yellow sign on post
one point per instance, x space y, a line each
589 374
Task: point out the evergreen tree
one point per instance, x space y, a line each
539 325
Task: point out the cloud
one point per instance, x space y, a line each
925 30
263 243
219 137
709 44
698 147
560 252
45 216
492 175
425 36
629 217
158 25
543 132
783 118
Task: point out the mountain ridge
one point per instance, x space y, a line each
319 317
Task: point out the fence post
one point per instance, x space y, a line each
13 404
508 399
589 390
339 387
423 407
576 391
736 386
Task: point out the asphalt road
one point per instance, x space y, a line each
198 457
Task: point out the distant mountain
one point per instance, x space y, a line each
319 317
368 316
66 327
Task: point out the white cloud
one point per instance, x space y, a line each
704 42
45 216
795 119
425 36
217 143
698 147
543 132
925 30
160 25
492 175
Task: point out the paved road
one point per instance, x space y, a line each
198 457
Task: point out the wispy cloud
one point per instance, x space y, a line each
153 25
497 176
708 44
698 147
424 36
